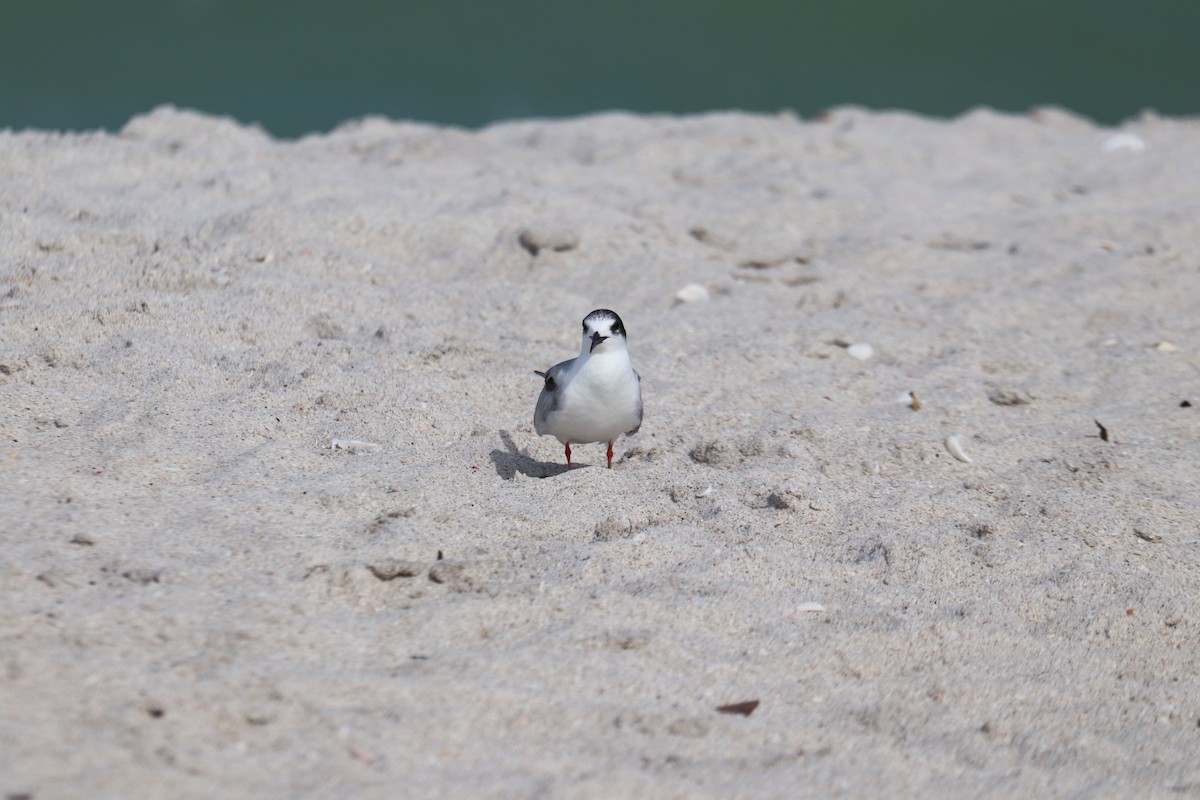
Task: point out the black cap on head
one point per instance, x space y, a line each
604 314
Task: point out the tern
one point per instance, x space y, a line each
596 396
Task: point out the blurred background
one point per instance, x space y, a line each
304 65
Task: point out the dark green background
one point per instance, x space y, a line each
301 65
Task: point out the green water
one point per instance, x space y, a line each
301 65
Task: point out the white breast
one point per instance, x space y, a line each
599 402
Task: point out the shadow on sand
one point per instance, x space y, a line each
511 460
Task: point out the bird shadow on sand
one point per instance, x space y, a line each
511 460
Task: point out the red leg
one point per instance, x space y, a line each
568 455
610 455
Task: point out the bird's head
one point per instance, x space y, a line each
602 331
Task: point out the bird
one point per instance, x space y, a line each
596 396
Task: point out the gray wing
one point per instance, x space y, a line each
637 427
548 400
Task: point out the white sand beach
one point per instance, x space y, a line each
250 390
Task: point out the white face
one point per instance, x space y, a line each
602 331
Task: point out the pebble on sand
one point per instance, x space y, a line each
862 351
692 293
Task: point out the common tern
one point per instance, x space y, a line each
596 396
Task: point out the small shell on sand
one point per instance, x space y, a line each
353 445
1124 141
705 492
692 293
862 351
955 448
1166 347
810 605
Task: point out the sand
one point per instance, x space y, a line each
275 522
